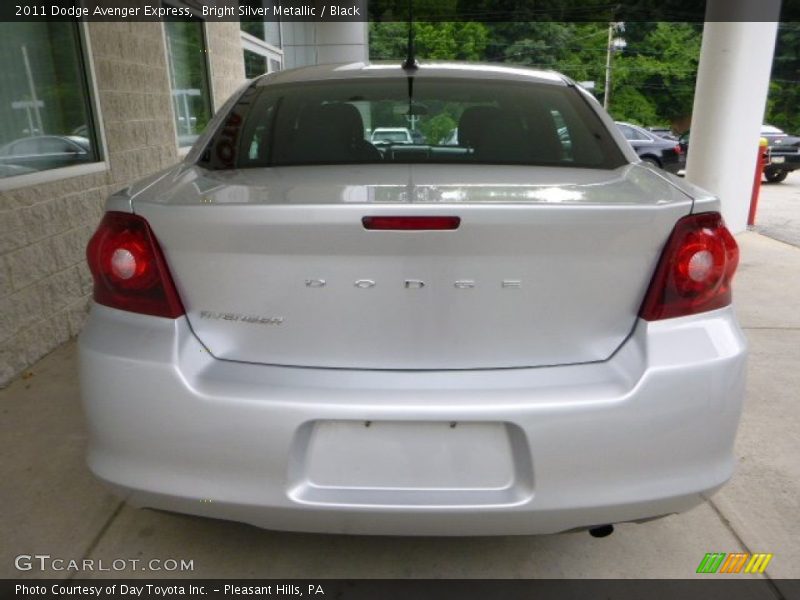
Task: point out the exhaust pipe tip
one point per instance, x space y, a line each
601 531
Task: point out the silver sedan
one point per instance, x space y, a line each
524 331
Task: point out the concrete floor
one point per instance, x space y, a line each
52 505
778 214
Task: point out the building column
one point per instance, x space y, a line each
729 102
325 43
341 42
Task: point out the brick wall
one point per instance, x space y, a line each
135 99
44 283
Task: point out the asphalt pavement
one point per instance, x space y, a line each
778 211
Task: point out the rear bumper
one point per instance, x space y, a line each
673 163
786 161
507 451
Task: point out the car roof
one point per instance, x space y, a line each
634 126
388 70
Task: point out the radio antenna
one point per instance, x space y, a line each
410 63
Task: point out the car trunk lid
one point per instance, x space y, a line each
275 265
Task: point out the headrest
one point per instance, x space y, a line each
476 120
336 120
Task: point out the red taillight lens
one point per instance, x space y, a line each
128 268
695 271
678 149
411 223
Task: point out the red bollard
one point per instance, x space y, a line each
761 162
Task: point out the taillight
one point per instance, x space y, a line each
695 271
678 149
128 268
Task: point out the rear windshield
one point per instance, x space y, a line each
427 121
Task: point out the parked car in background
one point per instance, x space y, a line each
301 330
45 152
663 132
783 156
652 149
392 135
784 153
417 137
14 170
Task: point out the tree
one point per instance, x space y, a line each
654 79
784 91
438 127
434 41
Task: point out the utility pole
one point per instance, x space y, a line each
614 44
607 87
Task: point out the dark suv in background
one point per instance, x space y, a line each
784 153
653 149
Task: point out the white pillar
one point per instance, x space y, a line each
342 42
325 43
729 102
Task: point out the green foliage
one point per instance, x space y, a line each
631 105
453 41
783 106
575 49
653 78
438 127
434 41
387 41
661 68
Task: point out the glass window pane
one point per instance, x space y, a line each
26 146
45 115
632 133
447 121
253 27
189 77
563 134
627 132
268 31
254 64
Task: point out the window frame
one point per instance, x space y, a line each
644 135
260 87
258 46
89 82
184 150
